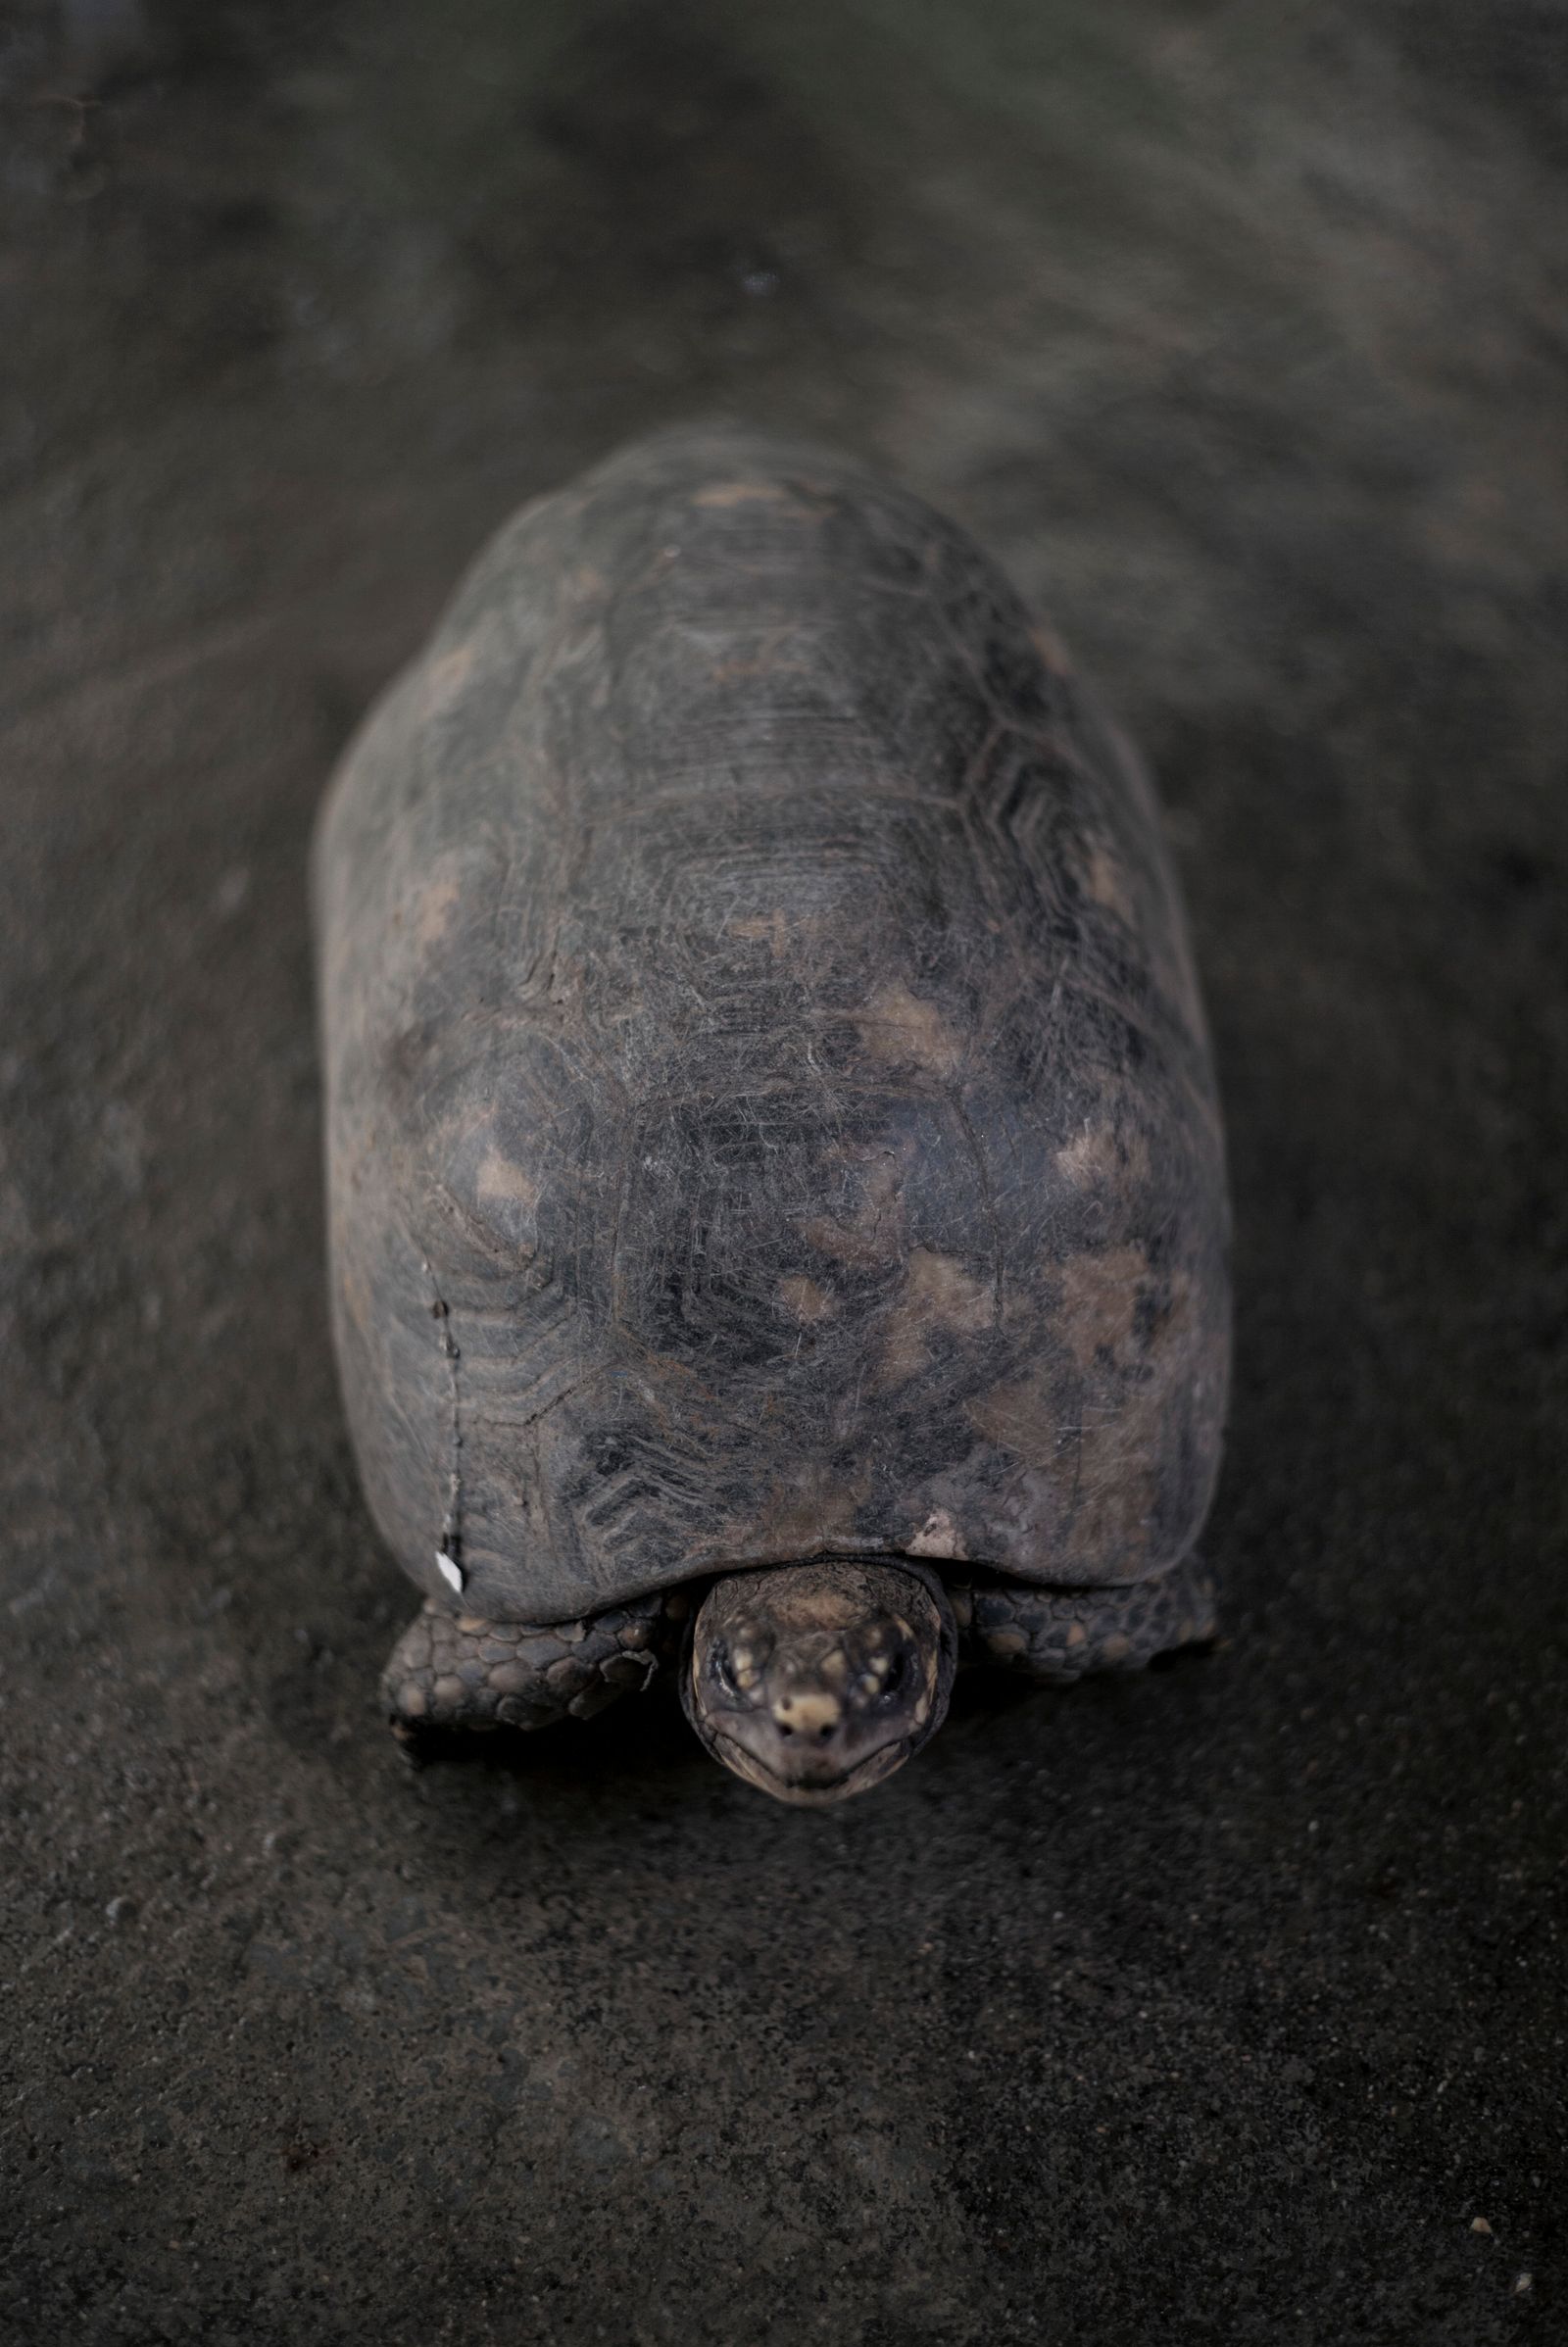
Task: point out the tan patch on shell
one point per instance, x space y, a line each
939 1536
770 928
900 1030
951 1295
1106 884
1099 1295
1020 1417
498 1178
937 1292
804 1299
725 494
356 1298
1096 1156
432 910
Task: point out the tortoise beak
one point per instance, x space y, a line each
812 1782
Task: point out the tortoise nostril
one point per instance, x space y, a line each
824 1732
784 1729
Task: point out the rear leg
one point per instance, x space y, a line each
456 1671
1055 1636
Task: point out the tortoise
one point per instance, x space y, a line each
777 1208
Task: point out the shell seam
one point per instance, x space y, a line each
452 1518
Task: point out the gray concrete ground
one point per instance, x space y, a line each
1225 2004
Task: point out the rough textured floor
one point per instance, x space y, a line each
1224 2004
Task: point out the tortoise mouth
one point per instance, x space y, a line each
811 1792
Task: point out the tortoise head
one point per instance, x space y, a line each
813 1682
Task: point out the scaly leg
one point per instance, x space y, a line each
1058 1635
454 1670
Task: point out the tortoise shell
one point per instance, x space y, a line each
768 1105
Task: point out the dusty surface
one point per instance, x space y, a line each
1224 2004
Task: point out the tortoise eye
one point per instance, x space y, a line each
719 1671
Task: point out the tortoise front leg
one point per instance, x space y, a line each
456 1671
1059 1635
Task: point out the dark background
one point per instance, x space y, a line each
1220 2004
